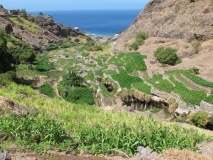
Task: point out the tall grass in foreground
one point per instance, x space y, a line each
99 132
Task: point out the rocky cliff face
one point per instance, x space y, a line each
49 24
182 19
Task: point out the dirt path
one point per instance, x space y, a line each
55 87
58 157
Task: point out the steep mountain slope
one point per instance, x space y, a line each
36 31
174 19
178 24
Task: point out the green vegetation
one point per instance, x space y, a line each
131 61
29 26
162 84
167 55
141 86
126 80
5 56
47 90
83 69
42 63
194 70
196 44
188 95
139 40
95 131
134 46
79 95
57 45
35 132
199 119
192 77
22 54
6 78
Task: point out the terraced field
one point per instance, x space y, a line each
126 71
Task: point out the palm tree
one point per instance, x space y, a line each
75 79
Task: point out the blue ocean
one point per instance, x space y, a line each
98 22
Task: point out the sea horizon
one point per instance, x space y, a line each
94 22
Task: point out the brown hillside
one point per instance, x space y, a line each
175 19
175 24
37 31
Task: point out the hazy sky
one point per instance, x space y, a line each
46 5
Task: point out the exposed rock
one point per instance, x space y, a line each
5 156
47 30
207 107
49 24
8 105
3 12
139 100
174 19
146 154
206 148
160 93
185 109
175 24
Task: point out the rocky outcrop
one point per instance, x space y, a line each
206 148
146 154
139 100
8 105
47 30
182 19
5 156
57 29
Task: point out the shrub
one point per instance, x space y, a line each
196 46
140 37
80 95
76 40
96 48
74 79
194 70
139 40
66 45
42 63
22 54
167 55
73 34
47 90
51 47
134 46
7 77
199 119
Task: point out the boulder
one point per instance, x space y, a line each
5 156
146 154
206 148
8 105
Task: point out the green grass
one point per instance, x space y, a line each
96 131
190 96
162 84
192 77
142 87
131 61
35 132
209 99
47 90
126 81
29 26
